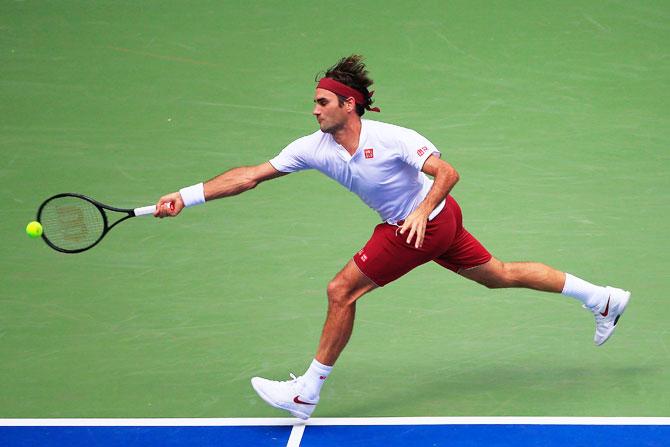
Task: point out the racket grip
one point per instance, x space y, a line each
149 210
145 210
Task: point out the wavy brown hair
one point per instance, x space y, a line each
351 71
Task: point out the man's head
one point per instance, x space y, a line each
351 97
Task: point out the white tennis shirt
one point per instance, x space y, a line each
385 171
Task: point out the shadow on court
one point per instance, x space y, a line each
531 392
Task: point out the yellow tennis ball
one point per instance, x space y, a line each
34 229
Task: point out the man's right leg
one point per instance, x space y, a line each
300 395
606 303
384 258
343 291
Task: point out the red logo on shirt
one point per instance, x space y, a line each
369 153
422 151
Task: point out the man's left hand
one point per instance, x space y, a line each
416 224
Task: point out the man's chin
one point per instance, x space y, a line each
328 129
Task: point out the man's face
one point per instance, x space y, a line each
328 112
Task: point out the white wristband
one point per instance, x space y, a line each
193 195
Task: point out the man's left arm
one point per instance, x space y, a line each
444 178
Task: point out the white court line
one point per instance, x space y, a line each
495 420
296 435
150 422
265 422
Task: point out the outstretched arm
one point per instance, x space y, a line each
445 177
238 180
230 183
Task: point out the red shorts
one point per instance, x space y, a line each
386 256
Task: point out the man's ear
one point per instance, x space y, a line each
350 103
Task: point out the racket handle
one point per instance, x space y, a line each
149 210
145 210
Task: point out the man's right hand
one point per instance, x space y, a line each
169 205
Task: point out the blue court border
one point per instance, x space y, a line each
369 432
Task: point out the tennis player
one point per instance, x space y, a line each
387 166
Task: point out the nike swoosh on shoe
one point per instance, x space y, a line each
607 309
297 400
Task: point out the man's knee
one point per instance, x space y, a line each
338 291
348 286
500 278
341 291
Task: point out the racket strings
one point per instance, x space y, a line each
72 223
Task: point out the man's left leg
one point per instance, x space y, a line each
496 274
606 303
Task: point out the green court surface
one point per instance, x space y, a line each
556 115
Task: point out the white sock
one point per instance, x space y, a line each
314 377
589 294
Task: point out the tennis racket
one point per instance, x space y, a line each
73 223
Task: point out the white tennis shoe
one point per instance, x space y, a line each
288 395
607 314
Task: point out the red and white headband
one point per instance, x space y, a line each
344 90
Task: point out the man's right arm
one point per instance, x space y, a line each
238 180
230 183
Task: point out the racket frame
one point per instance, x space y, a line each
101 208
